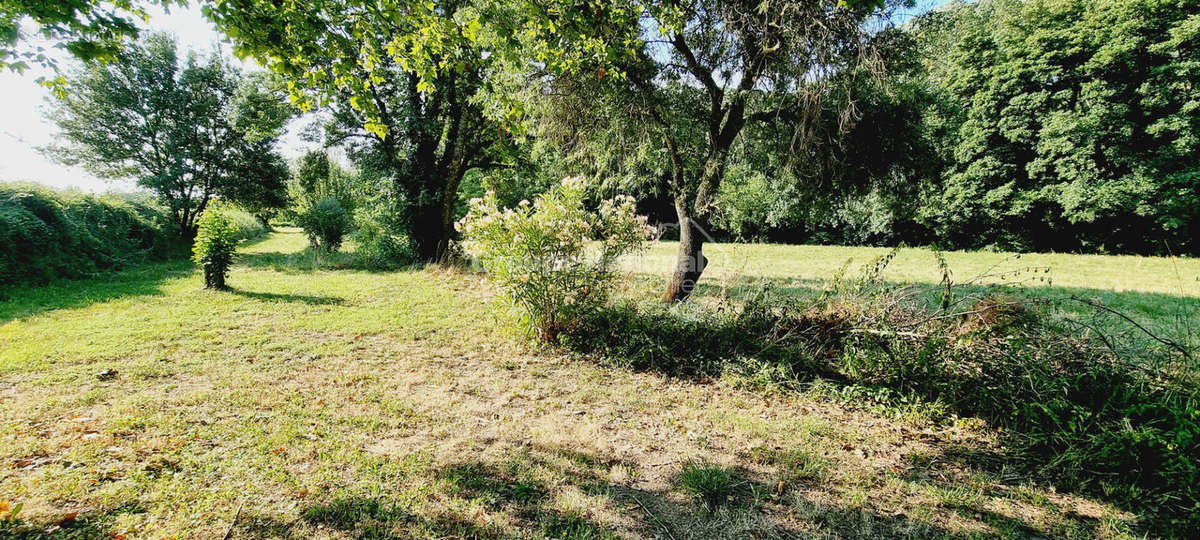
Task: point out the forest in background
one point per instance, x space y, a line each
1026 126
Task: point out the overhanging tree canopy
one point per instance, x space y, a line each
399 77
683 77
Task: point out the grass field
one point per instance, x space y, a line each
1162 293
323 403
1116 273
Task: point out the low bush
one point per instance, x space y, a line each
541 255
694 340
246 225
376 244
47 235
216 242
326 223
709 484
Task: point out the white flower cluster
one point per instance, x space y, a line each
540 253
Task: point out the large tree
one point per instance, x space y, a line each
189 129
686 79
399 79
1068 124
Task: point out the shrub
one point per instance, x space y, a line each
541 256
766 339
247 226
47 235
376 246
1088 417
216 241
326 224
1077 405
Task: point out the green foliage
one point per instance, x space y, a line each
88 29
188 129
1067 124
710 484
216 242
539 254
376 245
1093 408
262 187
1079 411
400 83
326 223
764 340
246 225
46 235
316 177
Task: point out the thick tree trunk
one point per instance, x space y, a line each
690 261
430 236
434 226
432 233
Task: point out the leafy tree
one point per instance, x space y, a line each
87 29
399 80
216 242
326 224
1067 124
667 88
189 130
855 179
313 173
318 177
263 182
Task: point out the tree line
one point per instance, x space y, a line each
1005 124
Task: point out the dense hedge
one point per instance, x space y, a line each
46 235
247 227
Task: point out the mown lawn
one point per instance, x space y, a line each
1161 293
312 402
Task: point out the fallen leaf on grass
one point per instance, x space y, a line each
70 516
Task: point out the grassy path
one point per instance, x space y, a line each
311 403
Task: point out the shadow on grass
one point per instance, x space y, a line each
280 297
526 485
84 527
1069 435
142 280
948 475
520 496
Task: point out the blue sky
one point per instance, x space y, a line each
24 128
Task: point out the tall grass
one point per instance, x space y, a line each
1105 408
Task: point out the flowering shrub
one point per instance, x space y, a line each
543 256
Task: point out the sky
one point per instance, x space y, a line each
24 129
